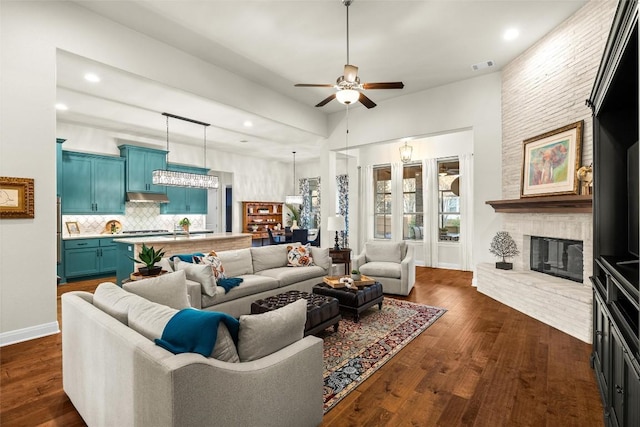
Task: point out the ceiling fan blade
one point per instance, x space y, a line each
326 100
366 101
350 73
387 85
313 85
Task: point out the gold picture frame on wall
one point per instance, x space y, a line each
16 197
550 161
73 227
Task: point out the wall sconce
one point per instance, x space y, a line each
405 153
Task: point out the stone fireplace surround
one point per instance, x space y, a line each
561 303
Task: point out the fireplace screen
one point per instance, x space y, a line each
557 257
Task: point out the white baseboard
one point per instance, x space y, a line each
26 334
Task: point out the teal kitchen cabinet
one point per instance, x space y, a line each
140 164
89 257
184 200
92 184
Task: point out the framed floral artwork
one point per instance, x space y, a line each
16 197
550 162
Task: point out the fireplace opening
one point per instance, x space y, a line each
557 257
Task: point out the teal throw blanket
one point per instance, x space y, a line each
195 331
229 283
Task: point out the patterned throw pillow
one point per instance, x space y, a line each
299 256
214 261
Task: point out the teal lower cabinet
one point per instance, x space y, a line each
124 265
89 257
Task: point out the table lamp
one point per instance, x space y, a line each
336 223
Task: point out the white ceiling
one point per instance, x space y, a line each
279 43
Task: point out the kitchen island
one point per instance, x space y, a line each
175 244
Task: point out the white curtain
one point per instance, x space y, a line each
367 208
397 201
430 197
466 211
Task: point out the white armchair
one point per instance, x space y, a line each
390 263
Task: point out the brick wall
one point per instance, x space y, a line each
546 87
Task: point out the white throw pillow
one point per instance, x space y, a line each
201 273
114 300
266 333
150 319
169 289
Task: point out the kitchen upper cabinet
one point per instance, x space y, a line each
140 164
92 184
184 200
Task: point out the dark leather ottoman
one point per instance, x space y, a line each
322 311
353 300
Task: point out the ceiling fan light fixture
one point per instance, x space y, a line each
347 96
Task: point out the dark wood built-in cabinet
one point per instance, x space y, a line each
616 303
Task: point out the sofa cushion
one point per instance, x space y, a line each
166 264
384 251
321 258
150 319
266 257
299 256
214 261
266 333
201 273
236 262
115 301
169 289
287 275
251 284
382 269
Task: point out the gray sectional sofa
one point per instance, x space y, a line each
264 273
115 375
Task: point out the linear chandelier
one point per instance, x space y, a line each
185 179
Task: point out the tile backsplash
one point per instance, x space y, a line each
138 216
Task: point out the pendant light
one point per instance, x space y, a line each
184 179
405 153
294 199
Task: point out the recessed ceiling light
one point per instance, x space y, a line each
61 107
93 78
248 123
511 34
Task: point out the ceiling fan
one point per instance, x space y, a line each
348 86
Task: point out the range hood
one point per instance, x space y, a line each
147 197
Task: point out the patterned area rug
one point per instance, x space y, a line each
357 350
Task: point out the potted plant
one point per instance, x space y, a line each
503 246
185 223
355 275
149 256
293 217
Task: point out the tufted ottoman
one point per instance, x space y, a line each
322 311
353 300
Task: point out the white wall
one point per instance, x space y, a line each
473 105
30 34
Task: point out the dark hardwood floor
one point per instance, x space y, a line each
481 364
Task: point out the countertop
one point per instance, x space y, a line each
127 235
168 238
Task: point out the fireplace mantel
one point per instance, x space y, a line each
544 204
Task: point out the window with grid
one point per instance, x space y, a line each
413 214
382 209
449 200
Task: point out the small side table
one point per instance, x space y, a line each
342 256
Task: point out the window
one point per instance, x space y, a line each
449 200
382 211
413 217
